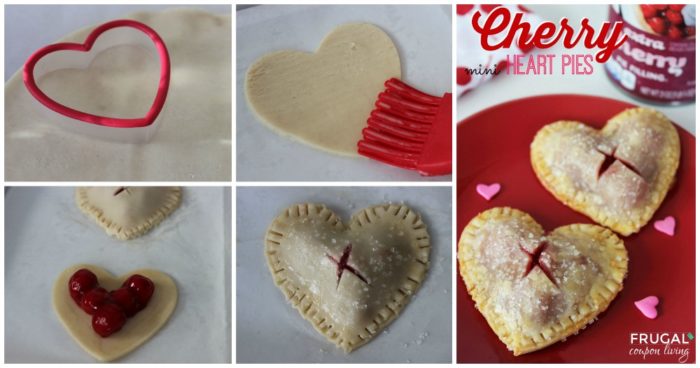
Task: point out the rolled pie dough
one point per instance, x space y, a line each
128 212
323 99
137 330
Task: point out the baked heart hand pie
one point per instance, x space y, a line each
111 316
324 98
348 281
619 175
536 288
128 212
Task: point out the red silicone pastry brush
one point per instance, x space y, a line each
410 129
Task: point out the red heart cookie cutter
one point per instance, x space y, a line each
86 46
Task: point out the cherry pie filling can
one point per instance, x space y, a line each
657 61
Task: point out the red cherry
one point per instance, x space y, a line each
648 11
690 31
124 298
657 24
464 9
676 7
94 299
675 33
142 287
500 66
487 8
674 17
660 6
81 282
108 319
463 76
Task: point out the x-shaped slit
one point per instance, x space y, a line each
610 159
119 191
536 261
342 265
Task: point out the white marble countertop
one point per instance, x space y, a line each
47 233
269 330
422 35
510 87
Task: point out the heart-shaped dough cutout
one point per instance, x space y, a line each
128 212
137 330
533 288
324 99
619 175
350 281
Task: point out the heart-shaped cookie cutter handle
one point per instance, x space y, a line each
110 34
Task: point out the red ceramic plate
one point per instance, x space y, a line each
494 146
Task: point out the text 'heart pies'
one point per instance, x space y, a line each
534 288
349 281
619 175
128 212
324 99
140 326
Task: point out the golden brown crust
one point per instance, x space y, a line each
658 180
609 255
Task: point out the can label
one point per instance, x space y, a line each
657 62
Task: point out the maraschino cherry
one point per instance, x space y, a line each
667 20
108 319
80 283
109 310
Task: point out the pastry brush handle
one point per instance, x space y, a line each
437 155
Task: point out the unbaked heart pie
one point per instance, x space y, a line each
128 212
619 175
536 288
111 316
348 281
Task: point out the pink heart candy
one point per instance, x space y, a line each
666 226
648 306
488 191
